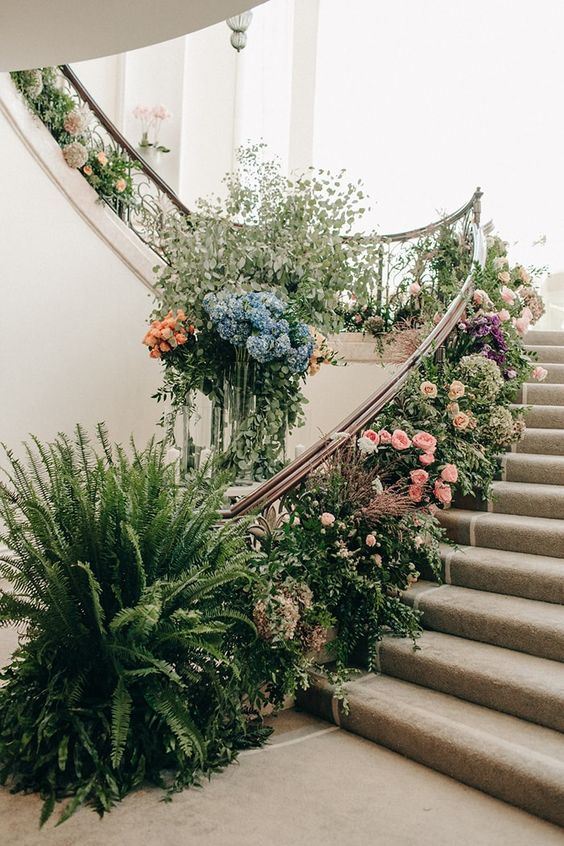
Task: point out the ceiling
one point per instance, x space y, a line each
38 33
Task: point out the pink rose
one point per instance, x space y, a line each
443 492
539 373
521 325
527 314
503 315
400 439
426 458
449 473
415 493
327 519
507 295
370 540
385 436
372 436
425 441
414 289
419 477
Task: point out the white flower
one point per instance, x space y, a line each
366 445
75 154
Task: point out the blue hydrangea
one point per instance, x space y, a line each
256 321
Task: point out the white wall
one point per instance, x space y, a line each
72 315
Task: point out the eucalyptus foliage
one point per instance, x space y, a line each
131 603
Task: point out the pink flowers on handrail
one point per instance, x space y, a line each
151 119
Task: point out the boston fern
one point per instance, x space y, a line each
128 666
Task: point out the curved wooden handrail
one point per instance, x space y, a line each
292 474
274 488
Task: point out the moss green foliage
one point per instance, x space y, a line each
136 654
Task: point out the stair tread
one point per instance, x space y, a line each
443 706
503 556
504 756
532 612
496 664
531 489
552 523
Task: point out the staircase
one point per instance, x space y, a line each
482 697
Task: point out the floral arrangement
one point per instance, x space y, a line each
151 119
258 322
359 530
104 166
248 353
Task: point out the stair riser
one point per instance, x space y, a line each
545 587
547 354
421 737
541 394
542 442
517 503
422 669
541 472
545 416
524 538
516 634
538 337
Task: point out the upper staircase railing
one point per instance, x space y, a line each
152 204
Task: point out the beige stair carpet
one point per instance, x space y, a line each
482 697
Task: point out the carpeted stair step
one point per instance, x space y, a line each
555 374
526 625
543 441
516 761
547 353
504 531
498 571
538 337
543 416
522 685
533 468
529 500
539 393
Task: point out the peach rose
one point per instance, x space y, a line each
419 477
166 334
521 324
102 158
121 185
426 458
523 274
370 540
180 338
180 315
326 519
87 170
507 295
385 436
456 390
504 277
164 347
453 408
539 373
425 441
503 315
449 473
377 559
414 289
480 297
400 439
443 492
460 421
415 493
428 389
155 353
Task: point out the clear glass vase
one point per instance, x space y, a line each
239 409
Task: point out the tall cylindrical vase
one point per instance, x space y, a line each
240 407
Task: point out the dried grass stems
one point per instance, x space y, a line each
346 475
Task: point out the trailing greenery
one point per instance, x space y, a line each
107 169
136 657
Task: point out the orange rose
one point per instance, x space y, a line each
164 347
180 315
155 353
87 170
121 185
180 338
102 158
